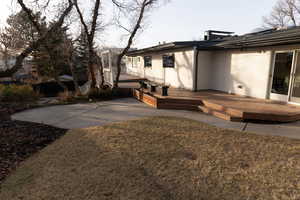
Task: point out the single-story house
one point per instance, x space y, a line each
263 64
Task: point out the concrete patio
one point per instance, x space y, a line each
102 113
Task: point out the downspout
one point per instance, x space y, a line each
196 54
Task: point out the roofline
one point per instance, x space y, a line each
162 47
252 40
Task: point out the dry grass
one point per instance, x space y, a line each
160 158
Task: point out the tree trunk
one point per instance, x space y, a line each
119 62
99 64
137 26
91 68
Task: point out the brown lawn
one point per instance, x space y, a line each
160 158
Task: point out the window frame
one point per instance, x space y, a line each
146 64
135 61
168 56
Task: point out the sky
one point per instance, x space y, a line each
183 20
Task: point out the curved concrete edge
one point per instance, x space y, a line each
102 113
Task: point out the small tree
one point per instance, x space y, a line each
53 63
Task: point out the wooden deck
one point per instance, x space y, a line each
222 105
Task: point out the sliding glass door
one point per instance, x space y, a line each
282 75
286 77
295 89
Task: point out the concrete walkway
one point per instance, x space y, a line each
101 113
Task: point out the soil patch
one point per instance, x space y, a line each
19 140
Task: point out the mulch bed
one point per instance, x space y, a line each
12 108
19 140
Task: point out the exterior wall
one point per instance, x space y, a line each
241 72
137 70
181 76
204 80
109 62
244 72
156 72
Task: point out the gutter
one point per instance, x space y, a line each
196 55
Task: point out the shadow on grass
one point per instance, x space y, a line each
159 158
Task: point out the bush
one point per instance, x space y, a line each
2 87
17 93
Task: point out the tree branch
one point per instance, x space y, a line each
34 45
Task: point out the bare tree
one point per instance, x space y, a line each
41 31
42 37
285 13
138 10
90 32
5 43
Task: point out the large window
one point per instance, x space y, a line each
168 60
147 61
282 72
105 60
135 62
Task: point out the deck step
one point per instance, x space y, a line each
220 114
222 108
181 101
178 106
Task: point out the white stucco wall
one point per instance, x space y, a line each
135 70
241 72
156 72
204 81
181 76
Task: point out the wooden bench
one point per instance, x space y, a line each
153 86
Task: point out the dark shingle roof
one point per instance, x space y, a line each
271 37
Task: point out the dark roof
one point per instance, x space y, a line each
175 45
270 37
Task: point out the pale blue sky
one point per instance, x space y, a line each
188 19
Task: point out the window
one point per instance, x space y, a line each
105 60
147 61
135 61
168 60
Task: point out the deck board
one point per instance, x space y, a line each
235 106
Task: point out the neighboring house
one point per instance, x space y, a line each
27 72
264 64
109 58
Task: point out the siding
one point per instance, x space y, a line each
181 76
243 73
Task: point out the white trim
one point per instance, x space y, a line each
281 97
294 103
